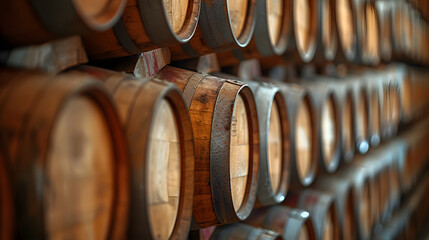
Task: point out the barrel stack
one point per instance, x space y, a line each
214 119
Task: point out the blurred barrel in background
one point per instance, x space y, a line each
303 148
291 223
35 23
64 130
242 231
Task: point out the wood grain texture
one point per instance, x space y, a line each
159 134
239 153
226 143
164 175
275 19
81 159
176 13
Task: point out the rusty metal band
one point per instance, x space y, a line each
124 38
191 86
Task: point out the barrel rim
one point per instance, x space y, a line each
158 27
219 161
367 58
249 25
266 194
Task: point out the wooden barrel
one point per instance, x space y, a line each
384 192
371 43
348 130
322 209
271 35
345 202
361 189
325 110
358 7
395 108
69 164
241 231
274 142
346 27
146 25
304 31
223 25
327 39
226 138
361 106
159 131
394 173
303 134
384 12
274 160
291 223
374 116
35 23
7 218
402 31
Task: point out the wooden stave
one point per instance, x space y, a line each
295 95
319 93
265 95
58 91
143 26
241 231
219 212
318 204
7 218
129 103
284 220
61 19
343 193
203 42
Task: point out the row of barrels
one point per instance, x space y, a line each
135 152
321 31
363 200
